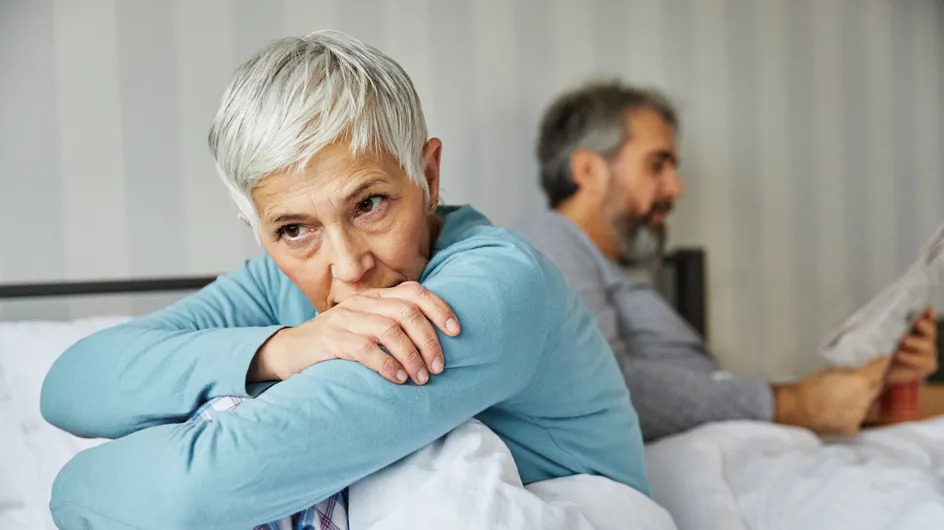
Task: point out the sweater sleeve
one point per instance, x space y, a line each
675 383
323 429
159 368
672 378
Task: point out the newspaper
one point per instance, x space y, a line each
877 327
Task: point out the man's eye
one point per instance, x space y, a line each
369 204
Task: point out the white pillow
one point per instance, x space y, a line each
19 504
37 450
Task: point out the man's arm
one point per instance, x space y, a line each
674 382
323 429
160 368
670 399
670 374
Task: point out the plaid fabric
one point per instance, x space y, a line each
329 514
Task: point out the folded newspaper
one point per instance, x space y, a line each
877 327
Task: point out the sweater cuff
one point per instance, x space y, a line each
246 342
757 397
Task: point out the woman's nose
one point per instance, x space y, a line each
350 260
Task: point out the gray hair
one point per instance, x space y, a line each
297 95
590 117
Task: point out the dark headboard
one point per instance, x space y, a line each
136 286
687 272
686 269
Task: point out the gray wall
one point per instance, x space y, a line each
812 142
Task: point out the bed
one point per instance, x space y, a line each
735 475
470 464
744 475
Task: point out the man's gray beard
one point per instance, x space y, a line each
641 245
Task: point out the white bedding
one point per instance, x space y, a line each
465 480
757 476
468 480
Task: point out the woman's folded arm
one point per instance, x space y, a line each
159 368
323 429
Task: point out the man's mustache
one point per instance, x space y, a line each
660 208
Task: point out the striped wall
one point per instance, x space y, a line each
812 143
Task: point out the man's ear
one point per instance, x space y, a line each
588 169
432 154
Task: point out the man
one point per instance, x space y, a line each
608 166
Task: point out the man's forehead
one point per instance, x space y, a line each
648 126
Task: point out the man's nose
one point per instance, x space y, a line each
350 259
672 185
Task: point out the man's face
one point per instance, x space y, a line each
643 186
346 224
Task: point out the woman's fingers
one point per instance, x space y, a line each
414 321
387 332
435 308
368 353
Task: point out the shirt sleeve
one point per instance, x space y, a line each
159 368
323 429
672 378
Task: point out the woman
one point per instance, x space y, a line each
322 144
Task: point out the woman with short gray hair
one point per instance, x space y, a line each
322 144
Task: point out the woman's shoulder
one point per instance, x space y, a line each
469 240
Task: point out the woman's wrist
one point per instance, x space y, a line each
265 365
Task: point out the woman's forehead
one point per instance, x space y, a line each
331 180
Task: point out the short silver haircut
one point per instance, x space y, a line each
590 117
300 94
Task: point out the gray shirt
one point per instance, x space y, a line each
672 377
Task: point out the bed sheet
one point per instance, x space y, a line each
758 476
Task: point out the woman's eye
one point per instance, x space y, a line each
293 231
369 204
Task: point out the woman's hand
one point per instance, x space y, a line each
916 356
400 319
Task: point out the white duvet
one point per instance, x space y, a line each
758 476
465 480
468 480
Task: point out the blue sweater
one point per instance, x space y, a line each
530 363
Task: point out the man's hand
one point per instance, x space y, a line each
916 356
831 401
397 318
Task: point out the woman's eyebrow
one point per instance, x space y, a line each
364 186
289 217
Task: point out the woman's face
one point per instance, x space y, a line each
347 224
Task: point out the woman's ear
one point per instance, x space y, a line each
432 153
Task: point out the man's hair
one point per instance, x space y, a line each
297 95
590 117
